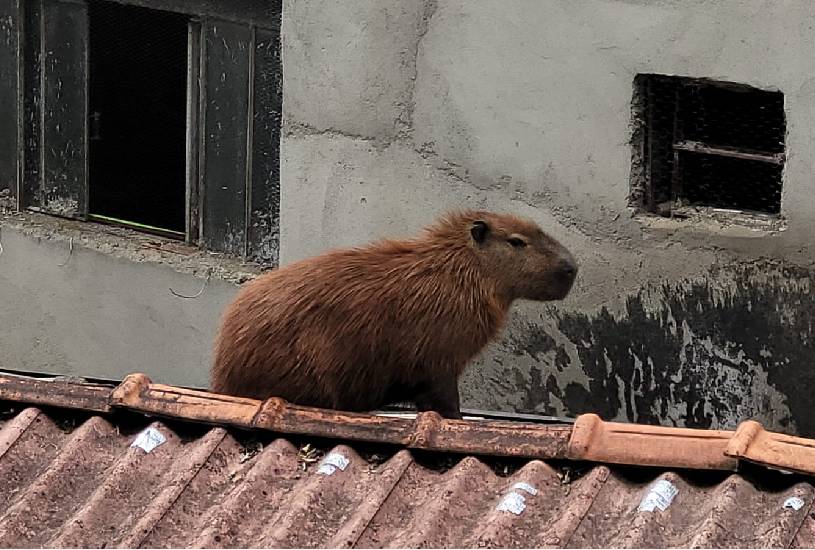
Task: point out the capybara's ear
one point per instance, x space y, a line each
479 230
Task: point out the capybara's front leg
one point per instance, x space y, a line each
442 397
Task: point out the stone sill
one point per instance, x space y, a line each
715 221
131 245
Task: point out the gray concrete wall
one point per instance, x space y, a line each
396 110
96 304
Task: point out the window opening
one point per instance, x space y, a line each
137 117
706 143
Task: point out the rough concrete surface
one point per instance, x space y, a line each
106 311
526 106
396 110
375 44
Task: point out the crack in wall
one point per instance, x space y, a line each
404 122
300 129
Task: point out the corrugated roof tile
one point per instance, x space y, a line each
805 535
68 478
588 438
89 485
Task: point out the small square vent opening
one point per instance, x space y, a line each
701 143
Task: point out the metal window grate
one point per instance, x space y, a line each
705 143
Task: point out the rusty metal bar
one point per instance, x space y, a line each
676 178
650 198
698 147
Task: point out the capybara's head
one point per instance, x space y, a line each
524 262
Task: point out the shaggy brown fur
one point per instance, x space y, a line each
394 321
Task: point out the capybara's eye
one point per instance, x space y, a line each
516 242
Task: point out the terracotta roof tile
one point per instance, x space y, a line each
612 442
588 439
75 479
753 443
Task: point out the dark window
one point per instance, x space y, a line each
705 143
137 115
164 119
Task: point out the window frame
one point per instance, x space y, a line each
644 187
241 220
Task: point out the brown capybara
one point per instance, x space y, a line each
393 321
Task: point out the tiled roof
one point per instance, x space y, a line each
87 485
100 473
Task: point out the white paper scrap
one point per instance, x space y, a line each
148 440
513 502
659 496
331 463
794 502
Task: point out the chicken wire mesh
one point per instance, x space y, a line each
137 113
708 144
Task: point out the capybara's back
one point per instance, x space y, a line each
395 321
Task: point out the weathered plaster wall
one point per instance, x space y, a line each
97 303
396 110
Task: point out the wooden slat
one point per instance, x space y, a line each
64 108
263 212
10 34
32 107
259 12
225 80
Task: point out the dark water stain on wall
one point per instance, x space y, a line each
695 353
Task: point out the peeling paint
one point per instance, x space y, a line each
266 250
701 353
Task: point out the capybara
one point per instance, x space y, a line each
396 321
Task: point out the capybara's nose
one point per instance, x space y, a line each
567 267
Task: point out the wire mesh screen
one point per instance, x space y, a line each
710 144
137 114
